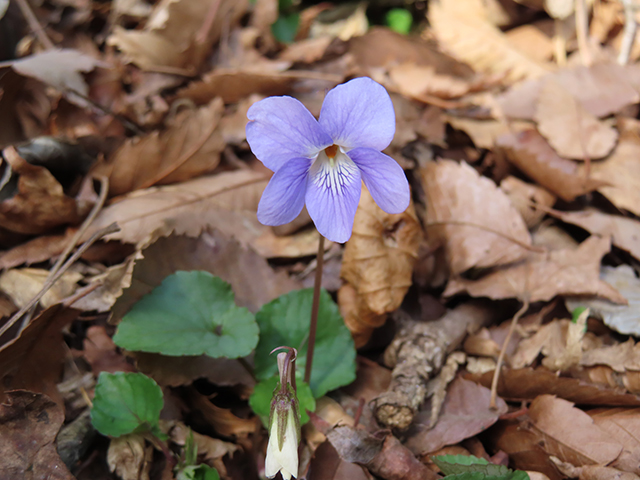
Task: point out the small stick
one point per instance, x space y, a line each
629 35
496 372
48 284
31 19
582 32
317 284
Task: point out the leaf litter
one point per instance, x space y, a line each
516 126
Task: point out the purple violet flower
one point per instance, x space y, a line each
322 162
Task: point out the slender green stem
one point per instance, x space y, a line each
314 310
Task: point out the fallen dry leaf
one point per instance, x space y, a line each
177 371
569 128
530 152
602 89
223 421
29 423
253 281
622 318
358 318
326 464
187 208
624 231
174 36
526 197
378 260
101 353
592 472
544 275
465 413
570 434
301 244
190 146
34 251
623 424
472 217
21 285
527 384
607 377
620 174
33 361
60 68
129 457
417 81
39 203
462 29
620 357
532 41
107 286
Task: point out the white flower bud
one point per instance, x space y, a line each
282 451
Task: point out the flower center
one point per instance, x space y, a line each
331 151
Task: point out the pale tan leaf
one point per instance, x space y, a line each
525 197
531 153
129 457
186 208
570 129
624 426
532 41
378 260
621 174
544 275
472 217
624 232
620 357
570 434
301 244
22 284
461 28
190 146
419 80
621 318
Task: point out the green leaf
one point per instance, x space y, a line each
189 313
399 20
260 399
126 403
468 467
285 321
576 313
286 27
198 472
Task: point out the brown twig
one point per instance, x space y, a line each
629 33
34 24
317 284
496 372
49 283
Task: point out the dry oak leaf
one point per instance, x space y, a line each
544 275
624 231
29 423
530 152
39 204
570 434
620 174
189 146
187 208
472 217
569 128
378 260
461 28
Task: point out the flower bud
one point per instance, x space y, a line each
284 423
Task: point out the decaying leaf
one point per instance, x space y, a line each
622 318
623 424
378 260
462 29
570 434
253 281
187 208
39 203
23 284
465 413
472 217
619 174
527 383
29 423
129 457
101 353
570 129
544 275
301 244
223 421
190 146
416 81
60 68
34 251
358 318
526 197
531 153
620 357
